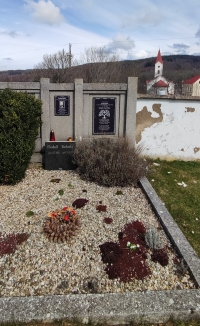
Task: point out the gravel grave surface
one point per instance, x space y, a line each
42 267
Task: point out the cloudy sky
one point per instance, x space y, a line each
131 28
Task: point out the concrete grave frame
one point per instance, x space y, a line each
112 308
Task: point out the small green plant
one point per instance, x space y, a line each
70 185
61 192
119 192
56 199
110 162
29 213
132 246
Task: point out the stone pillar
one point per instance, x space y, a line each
78 109
130 119
44 95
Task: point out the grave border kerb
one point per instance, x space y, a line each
113 308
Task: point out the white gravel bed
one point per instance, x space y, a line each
41 267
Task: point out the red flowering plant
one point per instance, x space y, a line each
64 213
61 224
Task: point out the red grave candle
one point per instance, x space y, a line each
52 136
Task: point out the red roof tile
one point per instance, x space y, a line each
160 83
159 58
191 80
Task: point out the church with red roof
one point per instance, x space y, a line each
159 85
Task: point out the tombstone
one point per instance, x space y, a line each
61 106
104 116
58 155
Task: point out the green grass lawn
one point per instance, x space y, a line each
177 183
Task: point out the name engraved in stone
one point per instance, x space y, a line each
67 146
104 128
104 121
53 153
52 146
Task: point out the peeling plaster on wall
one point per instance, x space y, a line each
145 119
190 109
175 137
196 149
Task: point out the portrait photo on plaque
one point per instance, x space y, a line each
104 115
61 105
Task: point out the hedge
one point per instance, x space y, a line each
20 119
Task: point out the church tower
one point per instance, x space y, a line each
158 65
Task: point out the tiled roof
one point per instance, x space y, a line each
191 80
159 58
160 83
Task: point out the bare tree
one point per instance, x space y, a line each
98 54
101 65
54 66
97 64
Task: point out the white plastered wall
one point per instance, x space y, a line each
168 128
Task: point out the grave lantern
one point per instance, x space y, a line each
52 136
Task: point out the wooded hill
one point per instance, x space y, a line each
176 69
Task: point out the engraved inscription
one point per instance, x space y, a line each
61 105
104 115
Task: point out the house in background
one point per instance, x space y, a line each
191 87
159 85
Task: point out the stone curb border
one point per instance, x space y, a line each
173 232
112 308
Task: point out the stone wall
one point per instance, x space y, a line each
165 126
78 123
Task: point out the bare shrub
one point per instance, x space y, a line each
110 162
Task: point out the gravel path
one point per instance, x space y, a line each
41 267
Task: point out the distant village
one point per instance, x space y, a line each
159 85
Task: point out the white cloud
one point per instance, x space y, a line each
121 41
146 17
140 54
11 33
180 48
45 12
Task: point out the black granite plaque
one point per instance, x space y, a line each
58 155
104 112
61 105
